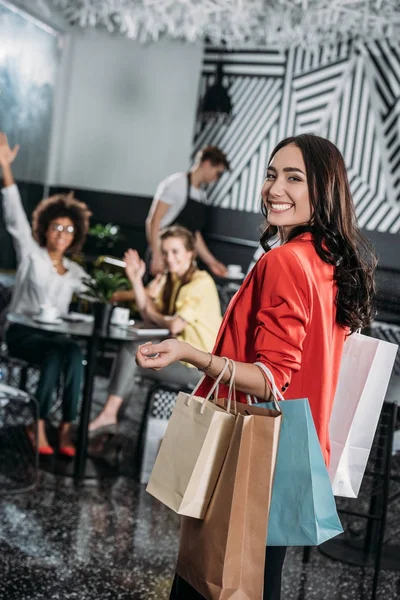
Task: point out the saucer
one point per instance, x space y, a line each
75 317
235 276
48 321
128 325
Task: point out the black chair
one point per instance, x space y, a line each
370 549
382 472
160 402
18 459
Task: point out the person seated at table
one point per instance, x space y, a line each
186 303
45 276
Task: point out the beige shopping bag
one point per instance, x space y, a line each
192 453
222 557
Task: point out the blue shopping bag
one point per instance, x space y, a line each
303 509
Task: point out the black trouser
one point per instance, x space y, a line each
272 579
54 354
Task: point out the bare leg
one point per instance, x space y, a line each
120 388
42 437
122 385
108 415
64 436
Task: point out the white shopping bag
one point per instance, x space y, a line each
365 371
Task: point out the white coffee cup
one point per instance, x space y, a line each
48 312
120 316
234 269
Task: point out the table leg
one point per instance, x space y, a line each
81 447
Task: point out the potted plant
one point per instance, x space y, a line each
106 235
101 287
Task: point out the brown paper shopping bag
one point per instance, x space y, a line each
223 556
192 453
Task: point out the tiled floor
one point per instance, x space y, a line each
111 540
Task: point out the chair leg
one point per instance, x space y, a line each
306 555
142 428
23 378
385 498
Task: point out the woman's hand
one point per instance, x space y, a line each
218 268
135 267
157 266
176 325
123 296
154 288
7 155
159 356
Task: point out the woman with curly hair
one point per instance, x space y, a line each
46 276
298 304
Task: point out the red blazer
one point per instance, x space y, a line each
284 315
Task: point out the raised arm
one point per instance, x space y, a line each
153 225
135 269
15 218
7 157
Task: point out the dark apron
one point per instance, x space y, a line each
193 214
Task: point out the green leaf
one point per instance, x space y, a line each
103 284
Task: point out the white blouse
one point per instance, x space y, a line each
36 281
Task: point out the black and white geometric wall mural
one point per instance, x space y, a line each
349 94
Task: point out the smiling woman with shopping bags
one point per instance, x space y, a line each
298 304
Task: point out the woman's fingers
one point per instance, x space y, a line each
14 151
131 255
158 356
158 362
148 358
149 348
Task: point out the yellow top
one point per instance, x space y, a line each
198 304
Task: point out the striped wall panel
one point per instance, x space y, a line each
389 333
350 94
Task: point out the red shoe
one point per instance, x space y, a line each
68 451
45 450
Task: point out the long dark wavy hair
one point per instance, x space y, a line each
176 231
336 236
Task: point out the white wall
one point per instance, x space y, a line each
124 112
43 10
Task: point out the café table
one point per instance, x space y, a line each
80 469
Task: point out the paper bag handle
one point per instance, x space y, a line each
232 389
214 386
276 394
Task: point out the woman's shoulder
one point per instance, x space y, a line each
200 274
202 277
293 251
293 259
200 280
75 269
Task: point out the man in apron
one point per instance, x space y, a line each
180 199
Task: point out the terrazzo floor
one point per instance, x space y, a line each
111 540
